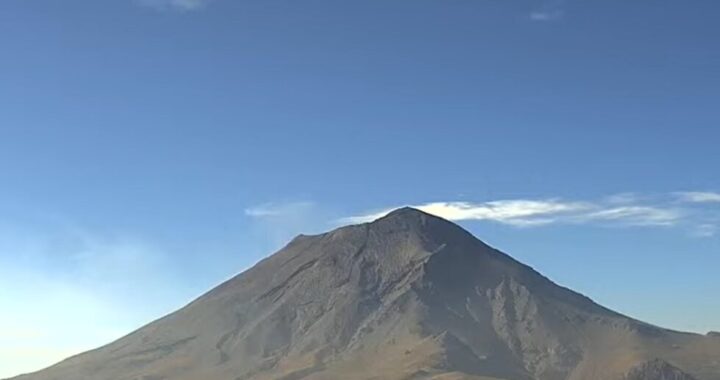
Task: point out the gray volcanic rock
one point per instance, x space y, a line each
657 370
409 296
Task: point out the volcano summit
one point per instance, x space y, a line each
409 296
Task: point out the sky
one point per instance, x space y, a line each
151 149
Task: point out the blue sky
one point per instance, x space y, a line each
150 149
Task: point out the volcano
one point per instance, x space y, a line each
409 296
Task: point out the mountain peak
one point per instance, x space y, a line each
406 213
414 294
428 226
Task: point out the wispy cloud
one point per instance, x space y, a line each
635 215
519 212
278 209
619 210
706 230
273 224
698 196
180 5
549 15
550 10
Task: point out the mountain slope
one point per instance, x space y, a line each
657 370
409 296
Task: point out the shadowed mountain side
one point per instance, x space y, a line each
657 370
409 296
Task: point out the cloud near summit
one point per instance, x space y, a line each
517 212
623 210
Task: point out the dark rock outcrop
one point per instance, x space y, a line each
657 370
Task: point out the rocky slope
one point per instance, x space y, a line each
409 296
657 370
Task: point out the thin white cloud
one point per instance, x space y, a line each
706 230
503 211
549 10
549 15
181 5
625 209
278 209
637 215
517 212
272 225
365 218
698 196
